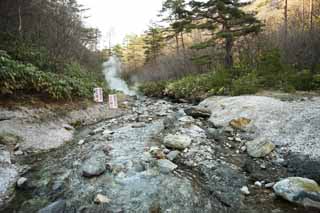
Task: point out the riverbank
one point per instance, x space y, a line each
162 156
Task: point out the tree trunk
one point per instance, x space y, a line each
177 43
228 61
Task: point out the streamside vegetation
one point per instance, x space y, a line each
226 47
45 50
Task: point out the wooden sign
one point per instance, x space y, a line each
98 95
113 102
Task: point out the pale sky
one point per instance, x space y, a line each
124 16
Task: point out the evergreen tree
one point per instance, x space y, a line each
226 21
178 16
154 43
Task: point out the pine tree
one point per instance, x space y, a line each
154 43
178 16
226 21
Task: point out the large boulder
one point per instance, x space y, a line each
177 141
198 112
8 178
259 147
95 165
299 190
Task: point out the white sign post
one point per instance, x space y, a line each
113 102
98 95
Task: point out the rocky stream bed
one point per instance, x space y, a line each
168 157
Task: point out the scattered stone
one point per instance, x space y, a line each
216 134
243 148
198 112
138 125
157 153
186 119
81 142
16 147
259 147
240 123
100 199
258 184
237 139
21 182
95 165
228 130
230 138
263 166
166 151
57 207
177 141
245 190
18 153
97 130
173 155
107 132
269 185
68 127
299 190
166 166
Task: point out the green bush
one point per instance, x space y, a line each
153 89
316 82
28 79
247 84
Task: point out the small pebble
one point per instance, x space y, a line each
245 190
258 184
269 185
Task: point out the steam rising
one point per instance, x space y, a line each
111 72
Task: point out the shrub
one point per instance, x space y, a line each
153 88
28 79
247 84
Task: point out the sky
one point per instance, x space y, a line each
121 16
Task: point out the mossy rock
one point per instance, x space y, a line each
9 139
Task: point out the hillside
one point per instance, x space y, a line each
272 10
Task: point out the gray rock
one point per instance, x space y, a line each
18 153
57 207
177 141
5 157
173 155
95 165
299 190
8 178
68 127
198 112
166 166
259 147
8 139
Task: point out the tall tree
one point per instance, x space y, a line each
178 16
154 43
226 21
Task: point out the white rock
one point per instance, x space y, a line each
245 190
177 141
258 184
19 152
81 142
21 181
101 199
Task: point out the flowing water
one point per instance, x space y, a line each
112 70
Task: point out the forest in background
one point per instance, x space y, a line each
46 50
224 47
